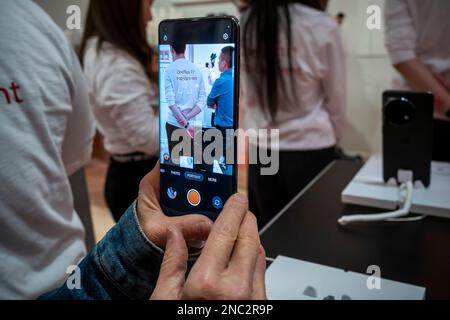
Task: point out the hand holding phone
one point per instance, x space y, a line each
235 267
154 222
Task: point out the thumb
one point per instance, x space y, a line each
193 226
259 281
173 268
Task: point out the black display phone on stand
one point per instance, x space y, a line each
408 134
199 99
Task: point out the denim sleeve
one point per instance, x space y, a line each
124 265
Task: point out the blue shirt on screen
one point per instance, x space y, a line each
222 95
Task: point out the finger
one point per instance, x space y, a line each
246 250
259 278
152 178
155 174
192 227
173 268
149 190
219 246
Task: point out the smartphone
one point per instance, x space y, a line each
408 134
199 96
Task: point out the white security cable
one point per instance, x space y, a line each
409 219
388 216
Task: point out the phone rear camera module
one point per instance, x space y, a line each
400 112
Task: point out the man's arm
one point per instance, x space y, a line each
421 78
179 115
126 263
169 89
201 99
401 39
193 112
214 94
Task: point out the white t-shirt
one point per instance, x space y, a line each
46 132
122 98
184 87
419 29
315 117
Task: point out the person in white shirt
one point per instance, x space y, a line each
46 134
116 61
417 39
185 94
293 80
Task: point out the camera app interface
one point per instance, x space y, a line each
197 115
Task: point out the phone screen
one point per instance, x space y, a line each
198 90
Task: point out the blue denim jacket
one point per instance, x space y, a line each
124 265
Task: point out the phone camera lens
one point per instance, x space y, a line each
400 111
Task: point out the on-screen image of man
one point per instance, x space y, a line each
185 94
221 100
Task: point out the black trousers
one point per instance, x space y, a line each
269 194
169 130
441 145
122 184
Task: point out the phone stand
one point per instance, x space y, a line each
407 151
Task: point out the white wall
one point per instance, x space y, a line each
57 9
369 73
